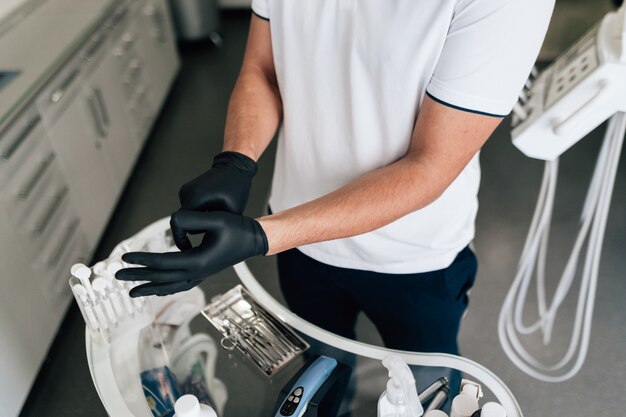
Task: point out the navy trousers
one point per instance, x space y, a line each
413 312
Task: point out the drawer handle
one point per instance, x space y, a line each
59 251
10 150
58 94
128 38
95 47
45 220
161 30
24 193
96 117
119 15
133 72
102 107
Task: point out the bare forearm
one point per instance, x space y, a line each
444 141
254 114
368 203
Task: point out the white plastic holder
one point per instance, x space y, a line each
115 369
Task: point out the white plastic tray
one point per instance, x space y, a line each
111 377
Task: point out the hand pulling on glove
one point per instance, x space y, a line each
228 239
225 187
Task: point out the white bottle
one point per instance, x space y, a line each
189 406
466 403
493 410
400 399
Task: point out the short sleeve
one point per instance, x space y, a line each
261 8
488 54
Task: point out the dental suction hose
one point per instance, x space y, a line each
511 325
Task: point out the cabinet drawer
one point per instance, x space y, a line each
132 77
58 94
76 252
65 247
17 144
30 182
141 111
53 209
124 47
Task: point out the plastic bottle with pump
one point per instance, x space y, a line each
400 399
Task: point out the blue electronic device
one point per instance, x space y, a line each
305 387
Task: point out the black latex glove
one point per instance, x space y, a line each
225 187
228 239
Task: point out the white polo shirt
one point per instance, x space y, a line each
353 75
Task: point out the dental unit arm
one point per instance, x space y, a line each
581 90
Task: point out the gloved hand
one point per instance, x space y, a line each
225 187
228 239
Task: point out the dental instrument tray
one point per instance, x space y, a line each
260 336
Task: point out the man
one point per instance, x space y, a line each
382 108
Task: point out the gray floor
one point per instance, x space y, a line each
189 132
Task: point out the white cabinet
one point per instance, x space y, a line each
75 128
99 109
64 161
157 48
82 159
105 92
41 238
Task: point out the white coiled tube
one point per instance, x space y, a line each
593 224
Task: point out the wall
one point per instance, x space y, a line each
7 6
571 19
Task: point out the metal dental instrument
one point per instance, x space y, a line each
440 398
248 351
431 390
247 326
290 337
258 326
267 338
259 347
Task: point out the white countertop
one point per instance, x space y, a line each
40 44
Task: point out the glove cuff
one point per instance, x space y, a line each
238 160
262 245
